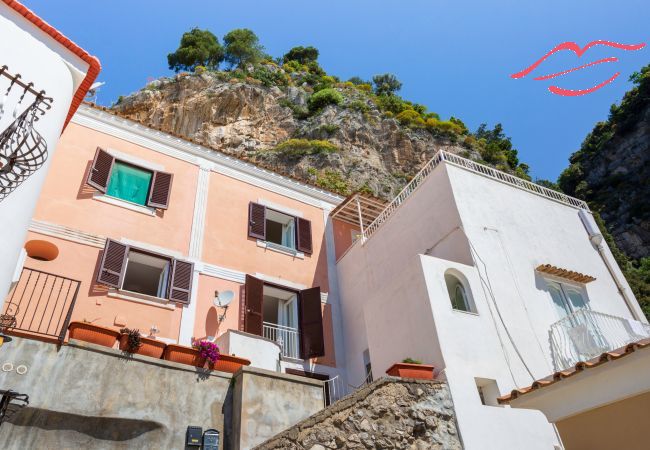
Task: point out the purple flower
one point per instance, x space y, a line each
208 350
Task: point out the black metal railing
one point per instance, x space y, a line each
42 303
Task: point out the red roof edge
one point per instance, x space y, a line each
94 65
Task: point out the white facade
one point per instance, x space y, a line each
493 236
39 59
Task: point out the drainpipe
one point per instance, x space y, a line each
597 240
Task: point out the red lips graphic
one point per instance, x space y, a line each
575 48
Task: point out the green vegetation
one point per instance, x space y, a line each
302 55
197 48
323 98
242 46
303 147
411 361
573 180
386 84
333 181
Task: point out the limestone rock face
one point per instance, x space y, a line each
245 118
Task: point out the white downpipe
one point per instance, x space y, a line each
597 239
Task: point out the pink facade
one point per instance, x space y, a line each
211 236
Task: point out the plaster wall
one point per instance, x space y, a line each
270 403
27 50
618 425
226 241
262 353
67 199
385 306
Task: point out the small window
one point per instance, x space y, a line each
129 183
146 274
459 294
280 229
567 298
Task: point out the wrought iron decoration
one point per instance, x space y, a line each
22 149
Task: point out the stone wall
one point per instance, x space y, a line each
391 413
86 396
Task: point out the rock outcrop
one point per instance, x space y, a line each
390 413
245 118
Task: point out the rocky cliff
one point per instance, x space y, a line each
344 147
612 170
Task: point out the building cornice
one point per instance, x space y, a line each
203 156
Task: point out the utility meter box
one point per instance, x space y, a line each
193 436
211 440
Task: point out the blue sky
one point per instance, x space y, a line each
455 57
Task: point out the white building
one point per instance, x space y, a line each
42 56
493 280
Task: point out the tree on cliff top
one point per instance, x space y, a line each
197 48
386 84
242 47
301 54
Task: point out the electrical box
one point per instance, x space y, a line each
193 436
211 440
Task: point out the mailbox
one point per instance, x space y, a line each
193 436
211 440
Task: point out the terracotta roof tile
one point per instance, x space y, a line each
564 273
577 369
93 63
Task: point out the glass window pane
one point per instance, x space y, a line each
129 183
558 300
576 298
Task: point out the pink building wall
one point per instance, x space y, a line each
68 201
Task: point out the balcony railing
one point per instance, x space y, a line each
286 337
586 334
472 166
42 303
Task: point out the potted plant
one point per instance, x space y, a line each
95 334
184 355
209 351
411 368
131 341
229 363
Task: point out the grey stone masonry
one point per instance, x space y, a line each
391 413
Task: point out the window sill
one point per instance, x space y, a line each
280 249
142 298
124 204
469 313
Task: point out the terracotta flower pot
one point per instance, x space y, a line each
405 370
184 355
229 363
149 347
93 333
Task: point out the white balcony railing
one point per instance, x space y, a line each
471 166
286 337
586 334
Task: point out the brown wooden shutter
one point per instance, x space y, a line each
312 341
253 317
180 286
303 235
257 221
100 170
161 186
113 264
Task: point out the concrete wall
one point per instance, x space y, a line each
269 403
39 59
87 396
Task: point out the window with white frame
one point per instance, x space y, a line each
280 229
459 293
567 298
146 274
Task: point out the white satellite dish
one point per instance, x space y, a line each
223 299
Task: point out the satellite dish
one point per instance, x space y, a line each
224 298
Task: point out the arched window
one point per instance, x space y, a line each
459 293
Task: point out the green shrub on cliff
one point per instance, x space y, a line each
323 98
303 147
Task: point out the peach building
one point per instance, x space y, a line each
141 229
